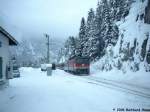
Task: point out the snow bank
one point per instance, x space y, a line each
139 78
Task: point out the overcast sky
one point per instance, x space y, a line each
59 18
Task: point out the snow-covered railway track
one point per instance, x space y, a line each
132 89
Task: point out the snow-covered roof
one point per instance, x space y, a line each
12 40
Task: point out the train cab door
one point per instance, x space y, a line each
1 68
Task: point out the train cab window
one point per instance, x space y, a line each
15 67
1 69
83 60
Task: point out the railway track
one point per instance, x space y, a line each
119 86
124 87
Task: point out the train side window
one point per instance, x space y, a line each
1 68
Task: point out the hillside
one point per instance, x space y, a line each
132 51
33 52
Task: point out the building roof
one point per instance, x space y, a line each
12 40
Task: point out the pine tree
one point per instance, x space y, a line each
82 38
120 8
110 31
90 32
96 40
66 49
69 49
72 46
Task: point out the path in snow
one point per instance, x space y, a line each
62 92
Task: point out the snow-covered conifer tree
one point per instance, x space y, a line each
82 38
90 33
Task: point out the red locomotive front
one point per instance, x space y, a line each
78 65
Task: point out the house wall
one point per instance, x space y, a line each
4 53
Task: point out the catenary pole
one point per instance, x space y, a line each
48 47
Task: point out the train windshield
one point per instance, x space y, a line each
82 60
15 67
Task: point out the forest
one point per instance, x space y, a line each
99 36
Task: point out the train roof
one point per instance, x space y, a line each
79 57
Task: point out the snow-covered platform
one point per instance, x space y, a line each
63 92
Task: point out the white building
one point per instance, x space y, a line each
6 40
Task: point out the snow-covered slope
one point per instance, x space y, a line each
132 49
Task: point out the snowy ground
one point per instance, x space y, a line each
139 78
62 92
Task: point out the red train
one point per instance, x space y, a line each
77 65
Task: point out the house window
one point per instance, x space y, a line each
1 68
0 44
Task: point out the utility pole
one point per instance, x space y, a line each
48 47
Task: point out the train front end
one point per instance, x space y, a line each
82 66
